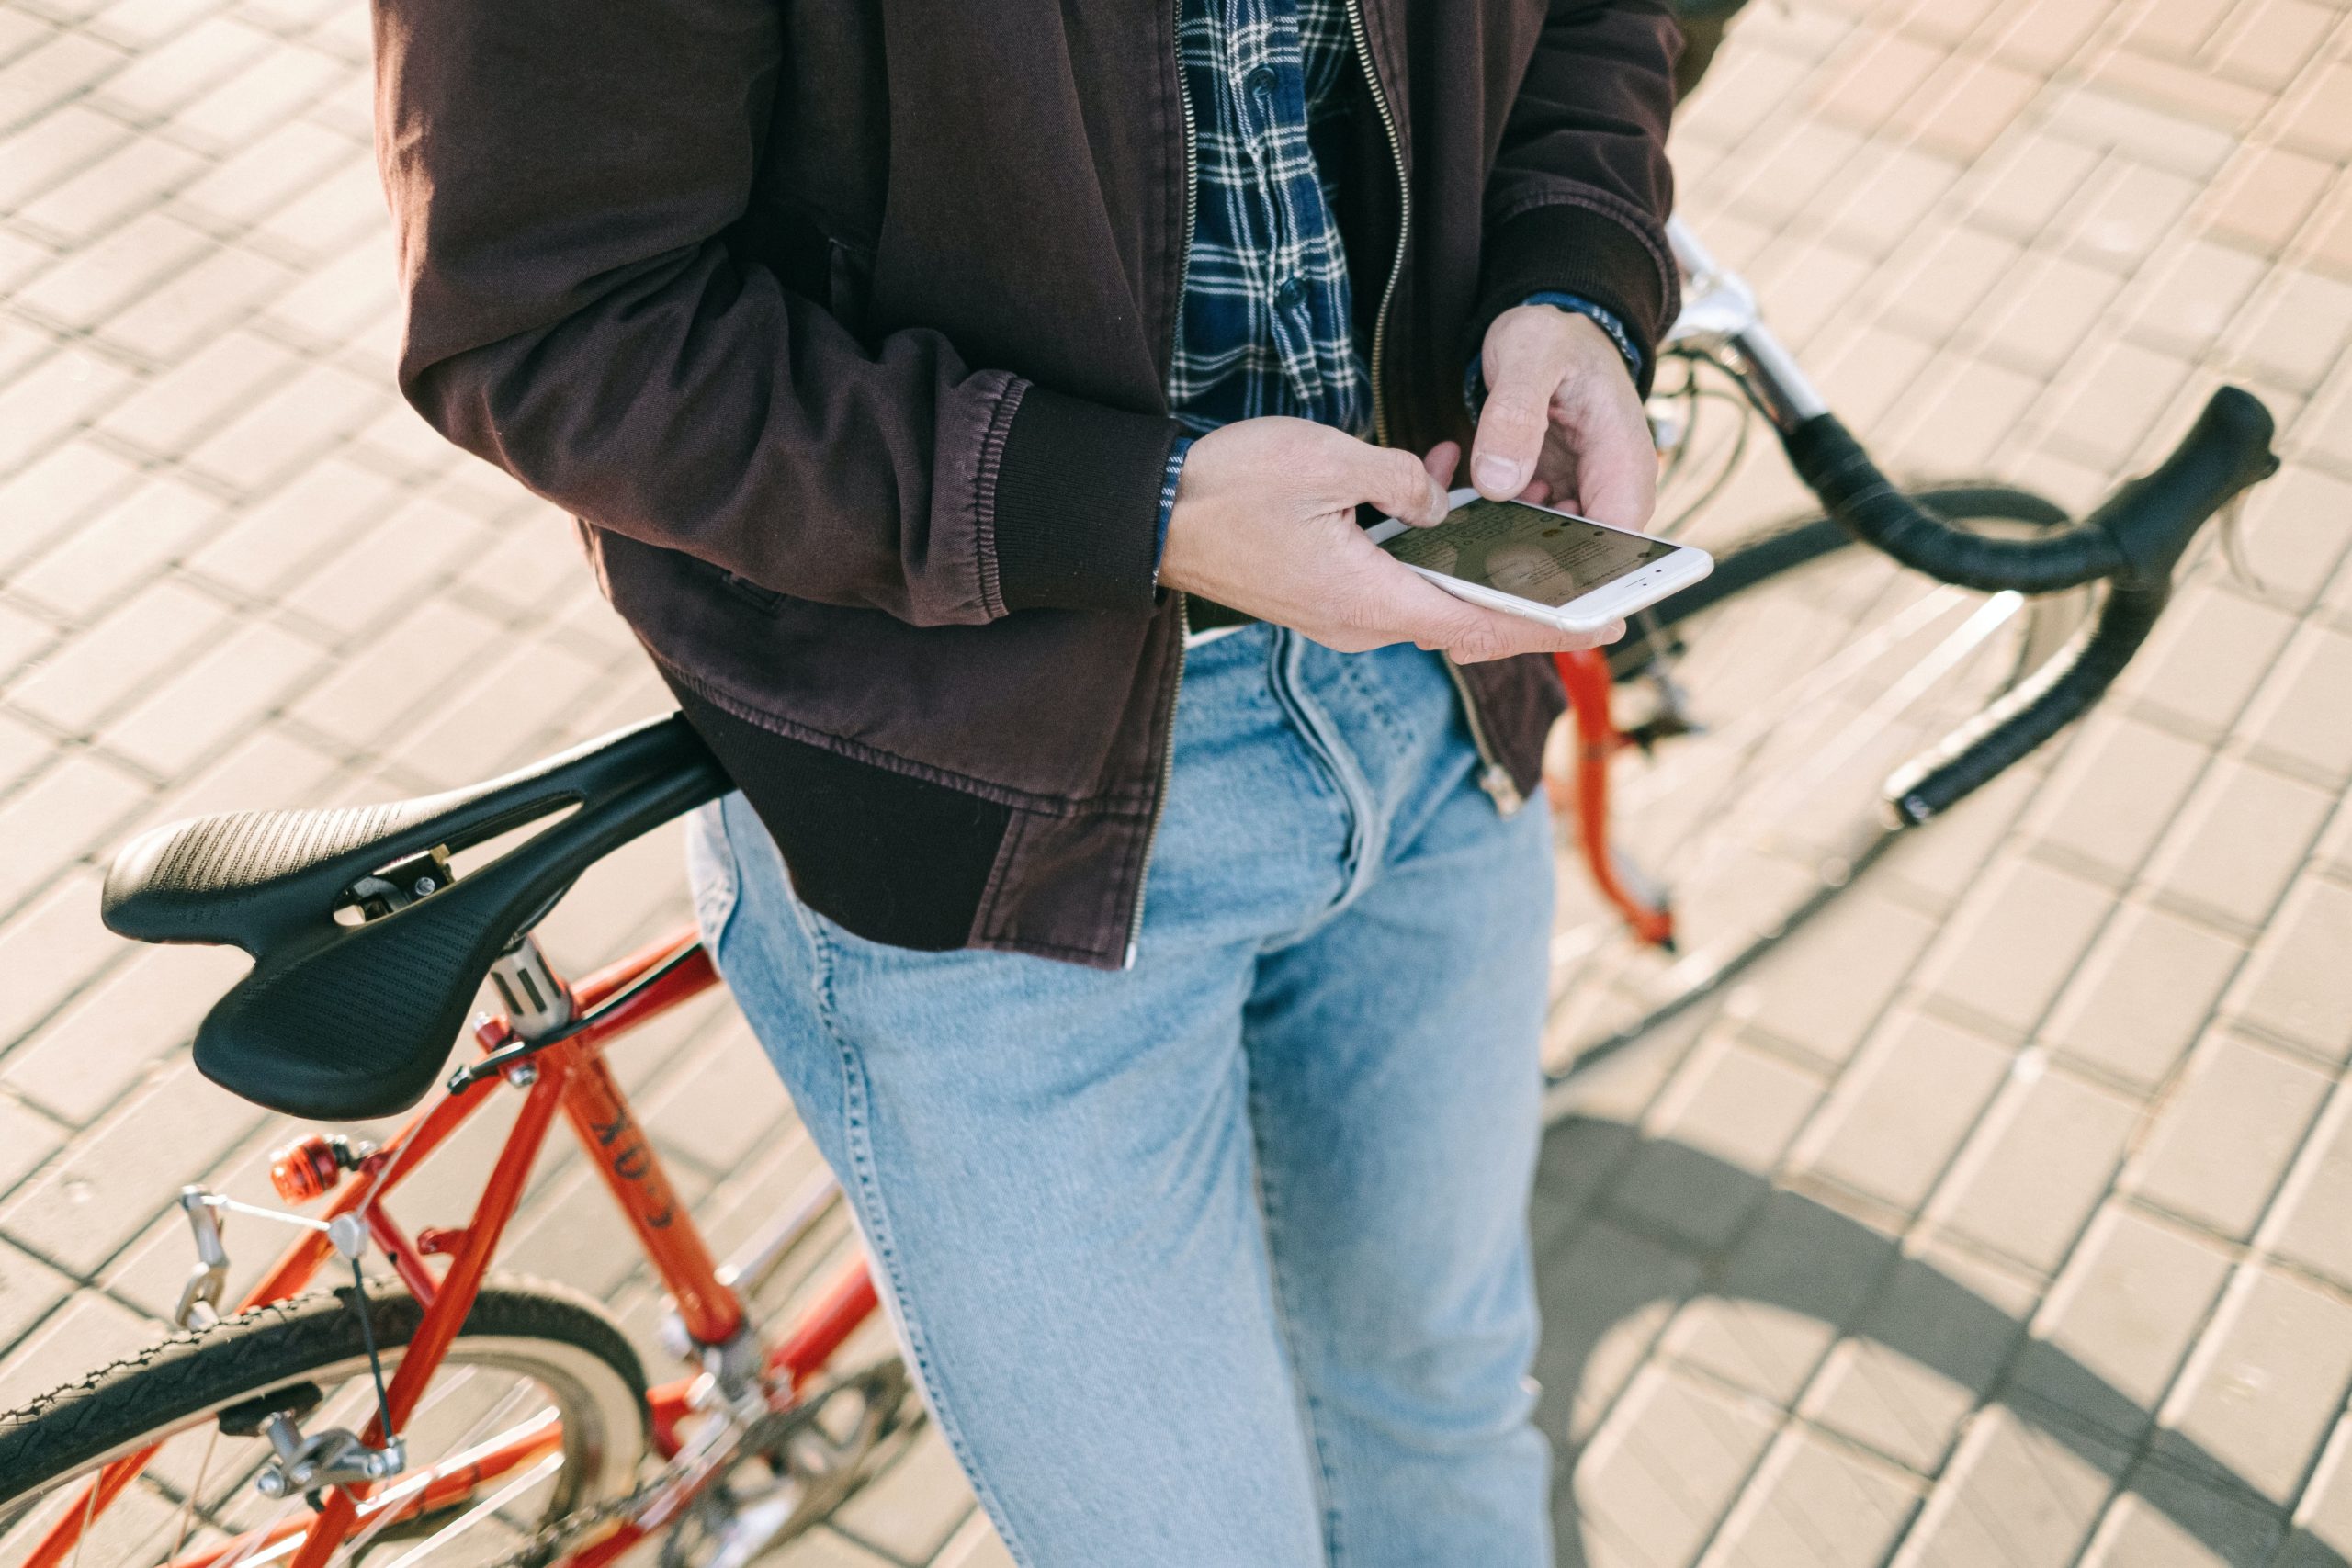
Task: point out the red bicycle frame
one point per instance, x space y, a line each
1585 792
569 1077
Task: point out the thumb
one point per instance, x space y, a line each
1399 484
1440 461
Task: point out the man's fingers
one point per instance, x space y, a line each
1392 603
1523 370
1440 461
1511 434
1499 636
1399 484
1617 477
1472 634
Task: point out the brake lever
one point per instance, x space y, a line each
2229 527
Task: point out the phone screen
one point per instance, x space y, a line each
1525 551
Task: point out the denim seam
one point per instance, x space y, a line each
1367 827
1309 1407
1400 734
856 1133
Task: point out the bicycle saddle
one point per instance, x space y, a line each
343 1021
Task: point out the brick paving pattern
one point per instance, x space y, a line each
2003 1218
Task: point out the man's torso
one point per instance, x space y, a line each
1013 179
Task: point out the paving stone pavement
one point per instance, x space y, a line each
2043 1257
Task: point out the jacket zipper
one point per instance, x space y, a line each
1192 191
1493 777
1357 29
1176 326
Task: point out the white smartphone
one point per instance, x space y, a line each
1549 566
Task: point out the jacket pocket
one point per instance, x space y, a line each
765 600
744 588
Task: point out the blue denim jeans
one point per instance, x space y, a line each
1220 1261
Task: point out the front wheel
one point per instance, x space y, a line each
1770 703
537 1416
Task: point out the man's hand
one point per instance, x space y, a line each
1562 425
1265 523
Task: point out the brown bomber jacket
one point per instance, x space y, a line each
843 325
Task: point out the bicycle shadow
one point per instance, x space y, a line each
1801 1258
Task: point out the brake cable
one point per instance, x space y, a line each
367 1337
348 1236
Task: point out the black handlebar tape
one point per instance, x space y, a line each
2135 536
2037 708
2153 518
1852 489
2150 521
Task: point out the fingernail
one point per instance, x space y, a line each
1500 474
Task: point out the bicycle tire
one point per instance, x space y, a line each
1746 571
174 1387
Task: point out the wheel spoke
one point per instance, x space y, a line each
1899 698
480 1511
89 1512
196 1489
412 1495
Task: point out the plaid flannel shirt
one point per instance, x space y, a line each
1266 325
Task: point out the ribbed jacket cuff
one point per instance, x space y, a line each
1568 249
1076 507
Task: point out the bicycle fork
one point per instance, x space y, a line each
1585 675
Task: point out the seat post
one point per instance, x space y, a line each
539 1002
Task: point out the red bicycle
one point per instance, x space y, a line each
463 1417
452 1411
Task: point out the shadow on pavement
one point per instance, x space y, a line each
1628 1228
